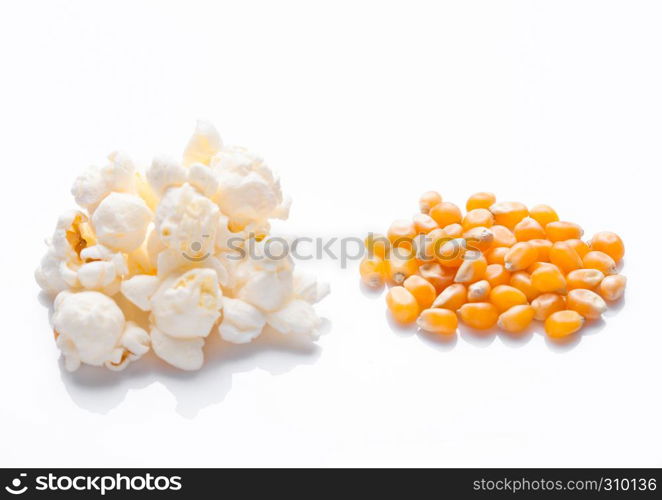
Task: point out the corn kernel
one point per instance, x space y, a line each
479 238
544 214
520 256
438 320
479 291
452 297
505 296
561 231
454 230
446 213
543 247
612 287
496 255
579 246
422 290
451 253
401 233
522 281
503 237
480 200
563 323
609 243
548 278
479 315
428 200
398 269
437 275
600 261
373 271
565 257
377 245
587 303
584 278
427 246
497 275
423 223
516 319
402 304
528 229
509 213
546 304
472 269
478 217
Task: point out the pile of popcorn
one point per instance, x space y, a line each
167 250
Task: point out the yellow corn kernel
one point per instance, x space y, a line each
398 269
528 229
516 319
373 271
587 303
609 243
565 257
520 256
428 200
584 278
428 245
497 275
496 255
422 290
612 287
423 223
561 231
480 200
454 230
446 213
452 297
505 296
509 213
548 278
522 281
600 261
451 253
402 304
544 214
377 245
472 269
579 246
503 237
479 315
478 217
438 276
543 247
437 320
546 304
479 291
479 238
563 323
401 233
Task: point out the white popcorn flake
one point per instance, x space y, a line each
165 172
185 354
95 183
203 179
134 344
120 221
297 317
203 144
241 323
139 289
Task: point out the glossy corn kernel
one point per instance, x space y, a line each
478 217
479 238
497 275
546 304
377 245
600 261
563 323
472 269
438 320
496 255
544 214
587 303
565 257
422 290
401 232
423 223
503 237
584 278
520 256
373 271
579 246
428 200
399 269
505 296
543 247
609 243
428 245
479 315
548 278
446 213
402 305
612 287
528 229
509 213
454 230
437 275
451 253
522 281
516 319
452 297
561 231
479 291
480 200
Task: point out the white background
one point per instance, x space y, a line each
361 106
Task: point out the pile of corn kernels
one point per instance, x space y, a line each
499 264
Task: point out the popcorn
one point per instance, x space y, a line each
187 244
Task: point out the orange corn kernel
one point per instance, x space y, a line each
479 315
377 245
496 255
478 217
453 230
373 271
422 290
612 287
546 304
472 269
565 257
452 297
505 296
503 237
522 281
429 244
563 323
446 213
529 229
509 213
428 200
480 200
438 320
479 291
451 253
544 214
600 261
423 223
398 269
497 275
520 256
543 247
402 304
548 278
587 303
584 278
479 238
516 319
438 276
401 232
609 243
561 231
579 246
